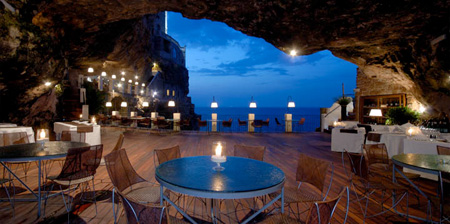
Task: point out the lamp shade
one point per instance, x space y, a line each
122 79
103 73
291 104
90 70
113 76
124 104
171 103
375 113
145 104
214 104
252 103
108 104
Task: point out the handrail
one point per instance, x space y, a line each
332 110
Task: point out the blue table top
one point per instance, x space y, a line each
240 174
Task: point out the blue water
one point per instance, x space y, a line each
311 115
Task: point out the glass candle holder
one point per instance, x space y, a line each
219 154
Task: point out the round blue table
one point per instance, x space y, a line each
242 178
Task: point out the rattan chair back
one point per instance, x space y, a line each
120 170
312 170
358 165
242 123
81 163
322 212
251 152
376 153
201 123
13 138
442 150
301 121
143 213
119 142
164 155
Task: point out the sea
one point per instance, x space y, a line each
311 115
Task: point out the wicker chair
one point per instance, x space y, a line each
279 125
79 168
442 150
118 146
361 181
300 123
378 161
257 124
201 123
16 138
137 212
227 124
266 122
127 182
164 155
312 172
318 213
251 152
242 123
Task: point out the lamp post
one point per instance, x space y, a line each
251 116
214 105
288 116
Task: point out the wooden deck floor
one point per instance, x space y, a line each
282 151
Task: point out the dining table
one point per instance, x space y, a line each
427 163
240 178
37 152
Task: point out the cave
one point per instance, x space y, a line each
401 46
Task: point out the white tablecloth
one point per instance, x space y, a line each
348 141
393 142
28 130
92 138
7 125
422 147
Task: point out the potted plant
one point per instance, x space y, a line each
344 101
401 115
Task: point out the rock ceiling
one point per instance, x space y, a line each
401 38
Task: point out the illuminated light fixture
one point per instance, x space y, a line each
43 134
142 91
293 52
47 83
143 84
375 113
108 104
130 81
113 77
422 109
119 85
123 104
123 73
171 103
145 104
90 70
136 77
154 64
103 74
252 103
155 93
214 104
89 79
93 121
136 83
122 79
291 103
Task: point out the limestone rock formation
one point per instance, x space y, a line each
404 40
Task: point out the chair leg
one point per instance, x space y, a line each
95 198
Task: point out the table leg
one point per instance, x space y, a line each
279 197
178 209
39 188
441 196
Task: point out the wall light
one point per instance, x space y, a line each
142 91
214 104
145 104
103 74
123 104
291 103
123 73
293 52
171 103
119 85
136 83
130 81
113 77
136 77
143 84
47 83
252 103
90 70
122 79
108 104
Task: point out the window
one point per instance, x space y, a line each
173 92
168 92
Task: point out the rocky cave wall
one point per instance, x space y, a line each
407 40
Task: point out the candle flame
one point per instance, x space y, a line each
93 120
42 134
219 150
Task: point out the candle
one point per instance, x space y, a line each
334 123
93 120
218 157
42 134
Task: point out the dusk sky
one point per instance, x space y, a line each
233 67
